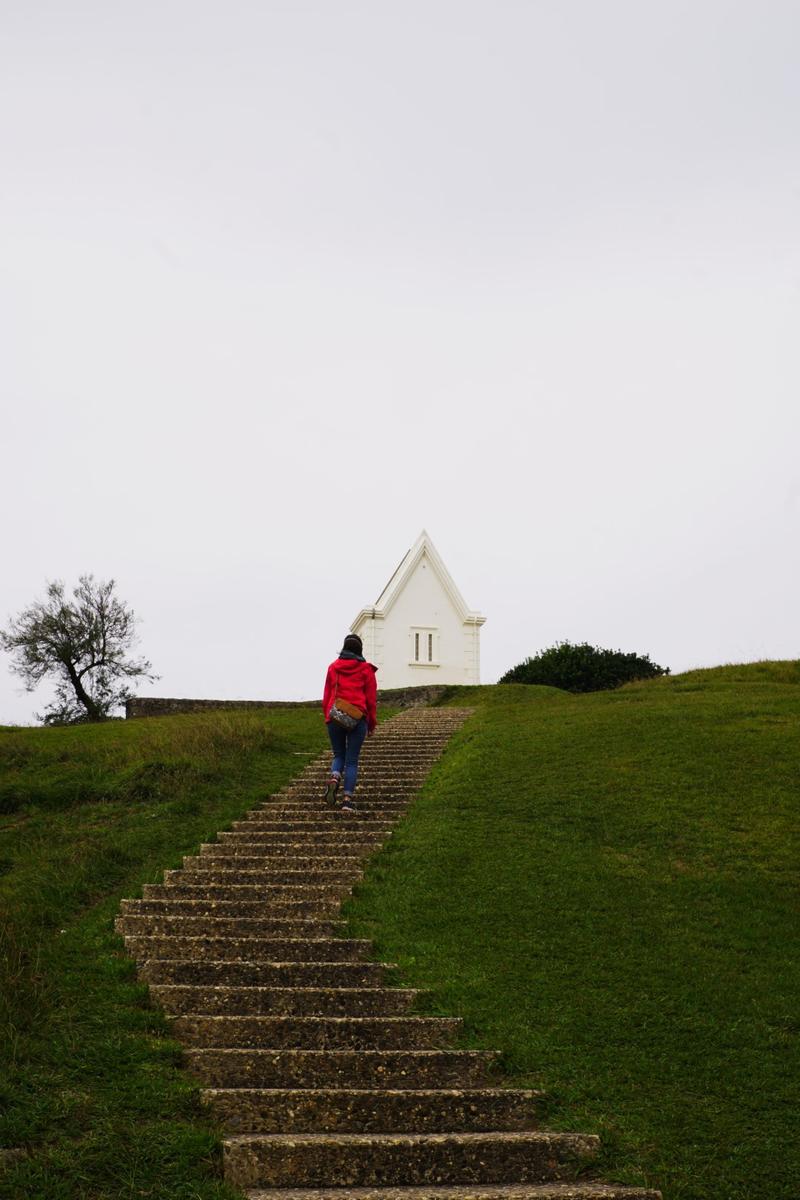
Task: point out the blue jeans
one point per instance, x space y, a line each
346 747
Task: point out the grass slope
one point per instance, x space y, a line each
90 1083
604 887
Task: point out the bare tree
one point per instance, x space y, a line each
82 642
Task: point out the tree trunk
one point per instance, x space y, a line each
86 700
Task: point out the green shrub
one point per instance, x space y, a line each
583 668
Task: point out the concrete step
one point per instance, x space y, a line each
325 822
253 949
322 820
212 925
380 808
218 881
361 823
263 891
246 973
393 1069
244 834
263 1110
401 783
285 1001
241 875
372 820
316 1033
398 772
398 794
228 858
312 797
289 910
352 841
391 767
530 1191
372 798
401 750
364 1160
386 759
313 793
347 845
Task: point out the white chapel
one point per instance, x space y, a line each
420 631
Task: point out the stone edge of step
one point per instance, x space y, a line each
532 1191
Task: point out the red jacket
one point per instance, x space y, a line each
354 681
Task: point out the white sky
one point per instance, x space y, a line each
282 283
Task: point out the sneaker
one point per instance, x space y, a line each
348 806
331 788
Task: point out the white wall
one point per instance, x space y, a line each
424 604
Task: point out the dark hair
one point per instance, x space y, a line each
353 643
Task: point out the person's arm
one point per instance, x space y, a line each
328 693
371 696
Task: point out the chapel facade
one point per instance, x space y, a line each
420 631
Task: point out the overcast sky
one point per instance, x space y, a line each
283 283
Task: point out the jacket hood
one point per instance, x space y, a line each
351 666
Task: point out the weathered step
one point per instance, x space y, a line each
241 875
313 793
400 733
286 1001
367 779
396 1069
336 835
247 973
263 892
251 949
411 747
363 1160
217 926
249 1110
377 804
338 840
320 817
229 858
316 1033
296 820
403 780
314 786
289 910
374 802
360 824
363 824
417 741
530 1191
312 799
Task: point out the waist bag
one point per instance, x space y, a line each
345 714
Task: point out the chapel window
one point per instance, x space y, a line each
425 647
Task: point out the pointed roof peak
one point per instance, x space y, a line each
405 569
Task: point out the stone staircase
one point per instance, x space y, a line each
327 1087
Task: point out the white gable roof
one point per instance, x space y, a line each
422 548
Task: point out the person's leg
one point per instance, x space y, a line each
355 740
338 740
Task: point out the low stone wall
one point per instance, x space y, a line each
159 706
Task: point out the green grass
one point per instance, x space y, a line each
605 888
90 1085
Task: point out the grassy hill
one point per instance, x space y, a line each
89 1080
603 886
